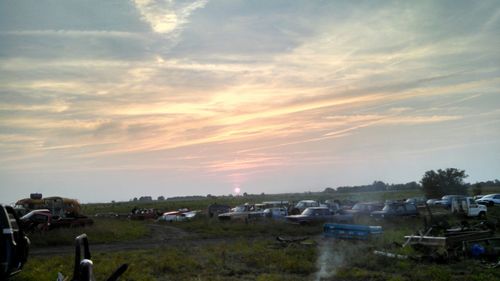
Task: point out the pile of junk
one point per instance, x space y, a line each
442 243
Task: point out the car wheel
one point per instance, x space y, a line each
482 215
490 204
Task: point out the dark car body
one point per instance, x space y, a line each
14 244
364 208
396 209
417 201
217 209
312 215
43 220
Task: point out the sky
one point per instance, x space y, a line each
110 100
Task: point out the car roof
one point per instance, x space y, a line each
491 195
369 203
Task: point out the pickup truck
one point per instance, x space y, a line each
468 207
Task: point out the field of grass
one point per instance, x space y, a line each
216 250
240 259
102 231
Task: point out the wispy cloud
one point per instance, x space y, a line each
74 33
167 16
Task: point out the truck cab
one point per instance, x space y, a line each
467 206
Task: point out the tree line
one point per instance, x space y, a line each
434 184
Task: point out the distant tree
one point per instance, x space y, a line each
161 198
477 189
329 190
135 199
245 194
379 186
441 182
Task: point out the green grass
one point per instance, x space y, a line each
102 231
241 259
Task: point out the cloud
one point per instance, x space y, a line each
167 16
74 33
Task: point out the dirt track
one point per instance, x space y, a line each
161 235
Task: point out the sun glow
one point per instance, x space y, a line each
237 190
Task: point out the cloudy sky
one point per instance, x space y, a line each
108 100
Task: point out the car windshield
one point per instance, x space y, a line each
388 207
239 209
358 207
300 205
308 212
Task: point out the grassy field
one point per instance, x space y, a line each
214 250
240 259
102 231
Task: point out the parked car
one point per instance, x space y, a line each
275 204
364 208
432 201
302 205
446 200
43 220
144 214
477 197
244 212
333 205
277 213
217 209
417 201
180 215
312 215
490 199
396 209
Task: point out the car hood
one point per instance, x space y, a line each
296 216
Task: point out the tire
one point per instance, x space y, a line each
490 204
482 215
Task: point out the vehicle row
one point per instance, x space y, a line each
310 211
446 201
